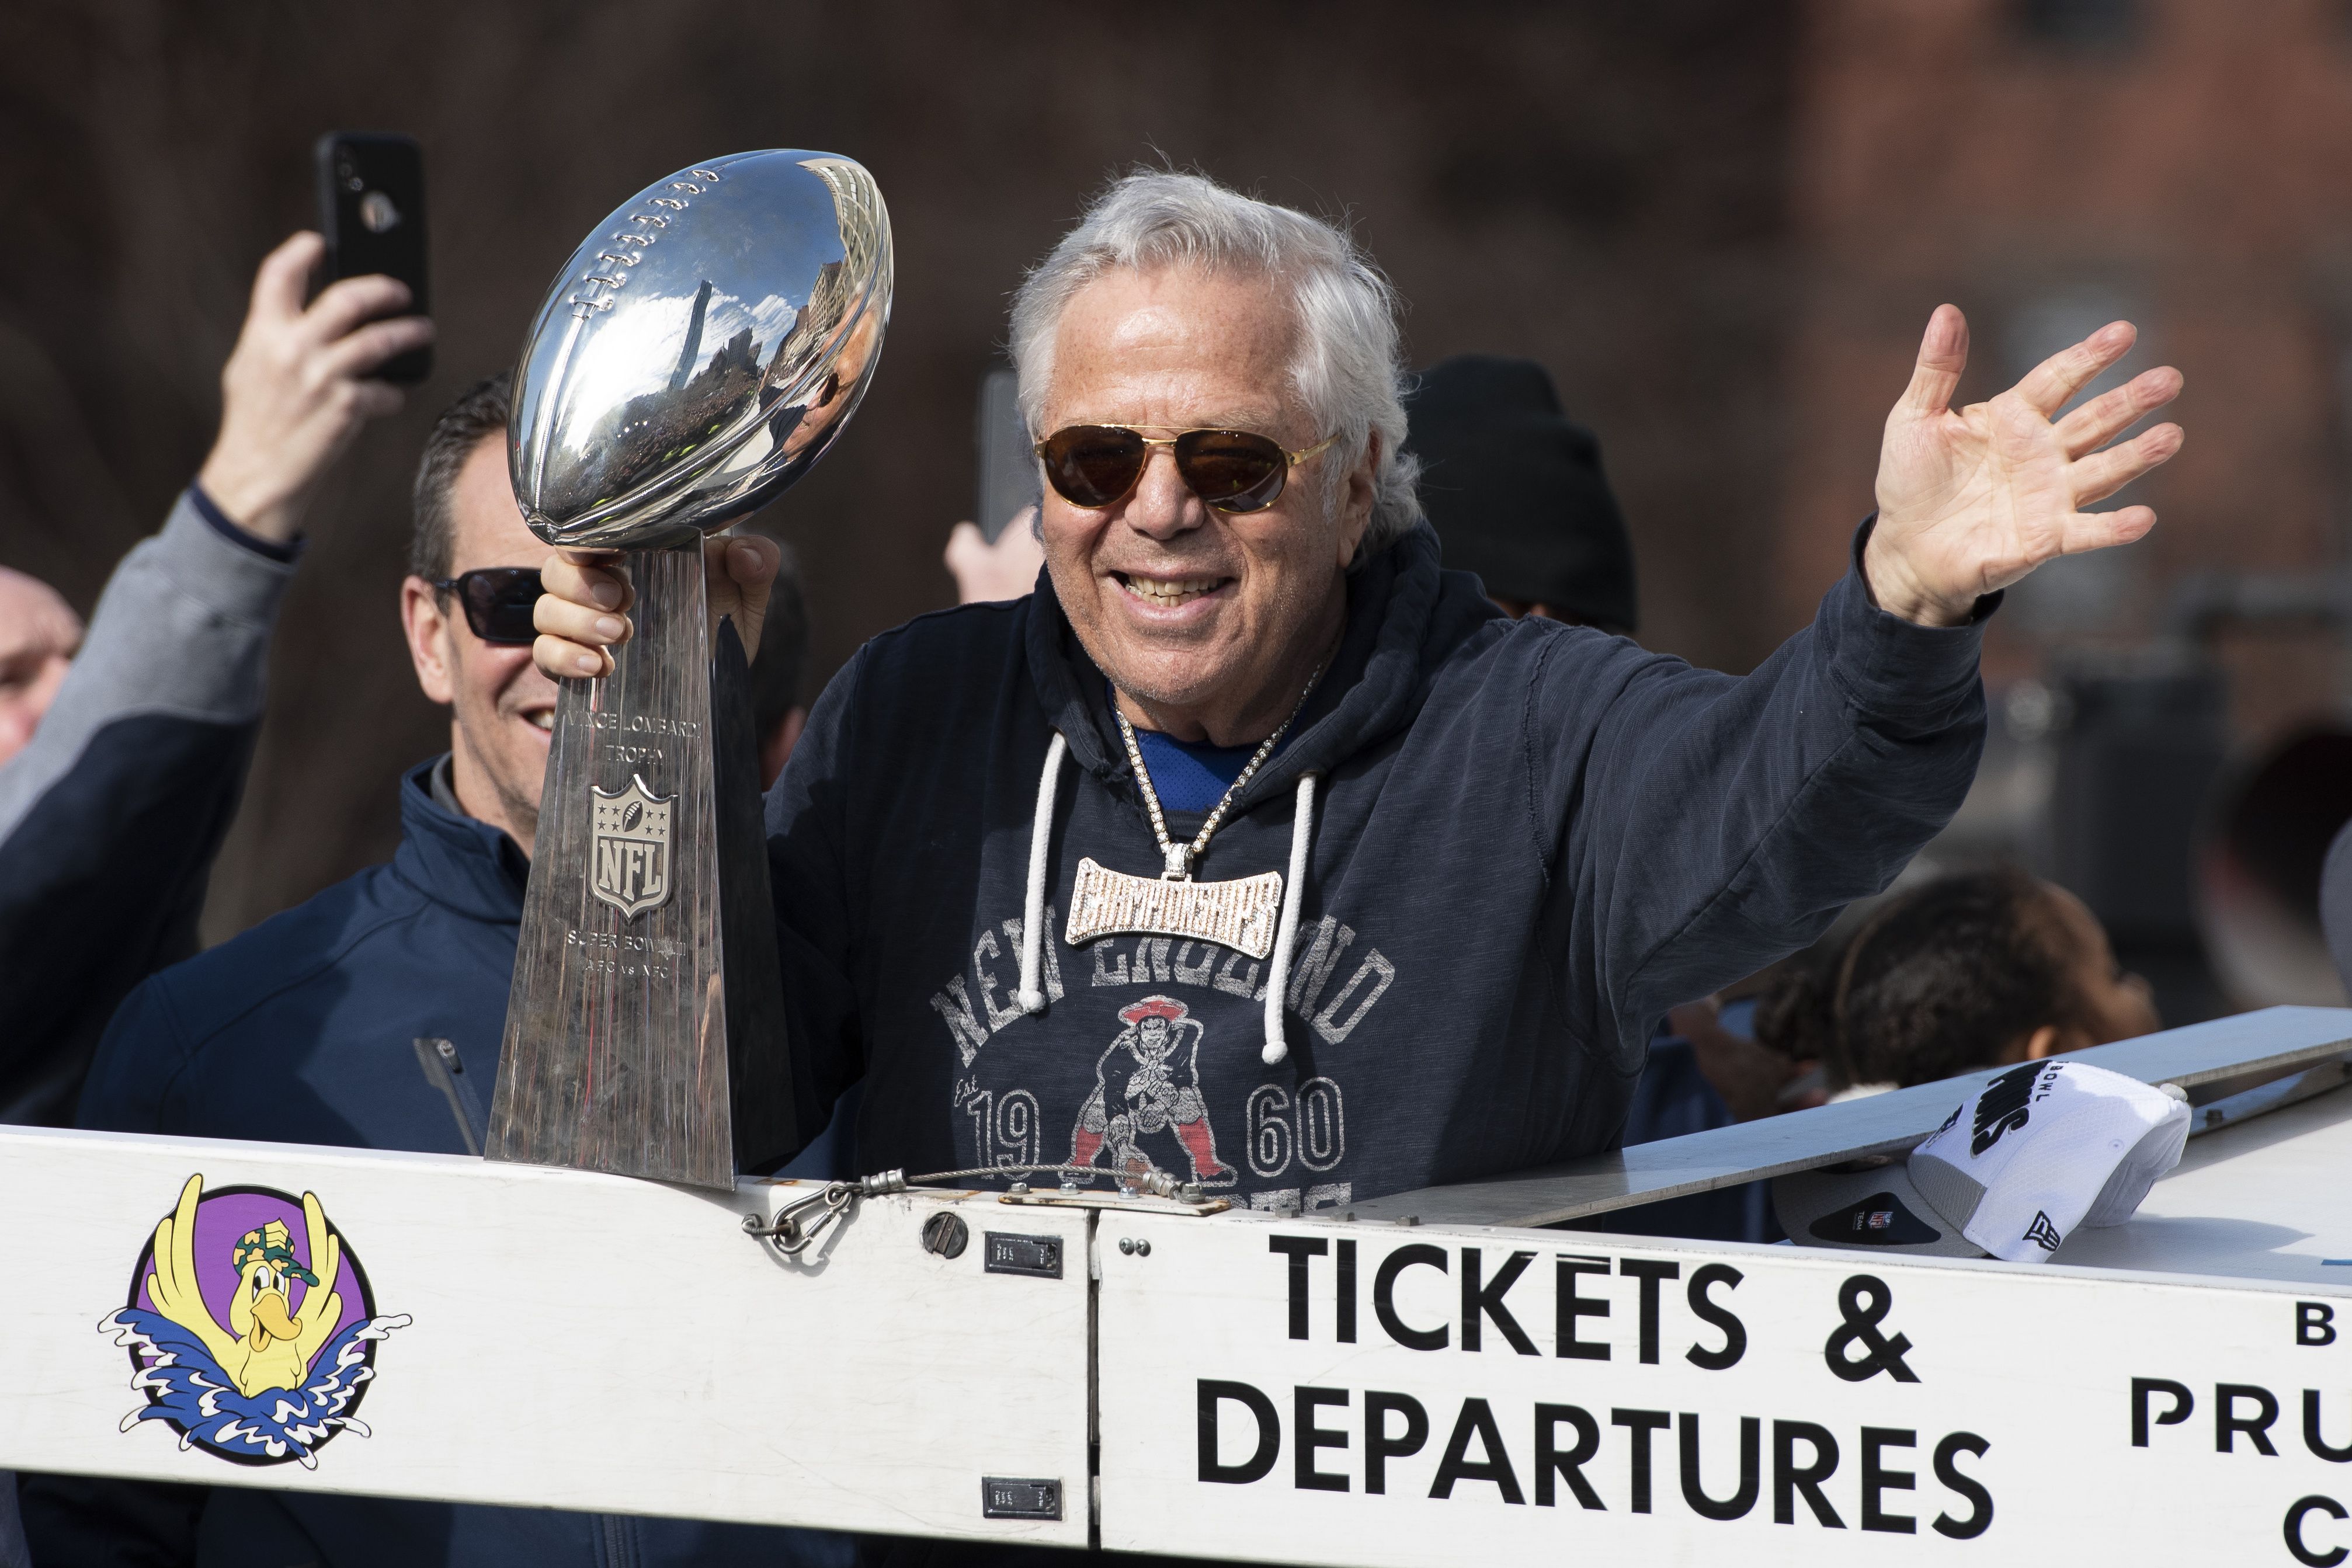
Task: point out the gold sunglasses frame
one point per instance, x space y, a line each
1295 459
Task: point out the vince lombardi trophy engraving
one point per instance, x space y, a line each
699 351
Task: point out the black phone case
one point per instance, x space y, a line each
372 211
1007 478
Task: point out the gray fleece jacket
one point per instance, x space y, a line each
110 817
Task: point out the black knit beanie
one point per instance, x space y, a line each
1514 490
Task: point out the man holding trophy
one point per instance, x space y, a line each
1254 851
1251 854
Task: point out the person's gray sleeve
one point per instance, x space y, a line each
110 817
182 630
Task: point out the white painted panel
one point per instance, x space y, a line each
2038 1363
1876 1124
577 1340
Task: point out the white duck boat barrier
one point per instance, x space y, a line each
1432 1377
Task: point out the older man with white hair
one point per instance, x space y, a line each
1252 847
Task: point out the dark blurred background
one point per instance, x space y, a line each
1721 224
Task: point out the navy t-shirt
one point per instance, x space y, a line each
1191 776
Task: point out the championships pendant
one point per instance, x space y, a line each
1241 915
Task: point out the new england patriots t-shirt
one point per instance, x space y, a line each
1189 774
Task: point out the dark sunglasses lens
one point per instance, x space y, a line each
1232 469
499 601
1093 464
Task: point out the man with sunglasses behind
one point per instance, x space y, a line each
1256 851
370 1017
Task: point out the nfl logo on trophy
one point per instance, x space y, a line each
632 848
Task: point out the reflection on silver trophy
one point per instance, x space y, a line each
703 346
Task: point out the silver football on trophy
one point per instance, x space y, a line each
700 349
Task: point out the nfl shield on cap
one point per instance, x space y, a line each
1866 1203
2036 1151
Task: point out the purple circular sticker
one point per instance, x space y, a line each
251 1326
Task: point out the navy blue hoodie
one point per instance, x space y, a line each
1528 841
304 1030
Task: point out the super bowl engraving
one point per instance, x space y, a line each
629 854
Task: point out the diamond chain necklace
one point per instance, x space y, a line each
1179 858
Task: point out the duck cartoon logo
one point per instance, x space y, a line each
285 1373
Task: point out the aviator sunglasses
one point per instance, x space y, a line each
498 600
1232 470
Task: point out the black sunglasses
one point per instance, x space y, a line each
498 600
1233 470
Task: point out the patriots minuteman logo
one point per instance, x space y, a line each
629 855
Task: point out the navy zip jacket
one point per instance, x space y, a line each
304 1030
1528 841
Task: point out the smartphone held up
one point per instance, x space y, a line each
372 212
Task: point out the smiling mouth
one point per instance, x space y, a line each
541 719
1167 592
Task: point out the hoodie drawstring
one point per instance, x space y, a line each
1293 892
1030 997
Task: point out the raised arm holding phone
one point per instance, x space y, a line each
112 809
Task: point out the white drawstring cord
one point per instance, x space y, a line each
1030 997
1277 982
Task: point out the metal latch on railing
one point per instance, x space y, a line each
802 1221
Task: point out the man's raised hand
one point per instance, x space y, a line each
1971 500
585 608
298 385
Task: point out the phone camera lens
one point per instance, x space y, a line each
354 182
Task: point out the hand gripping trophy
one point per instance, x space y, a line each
702 349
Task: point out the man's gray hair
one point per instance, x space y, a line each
1351 369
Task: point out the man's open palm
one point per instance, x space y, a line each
1971 500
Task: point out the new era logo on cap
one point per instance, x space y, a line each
2034 1153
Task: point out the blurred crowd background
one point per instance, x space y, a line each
1721 224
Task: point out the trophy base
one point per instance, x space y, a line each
645 1031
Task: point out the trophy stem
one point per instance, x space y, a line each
644 1030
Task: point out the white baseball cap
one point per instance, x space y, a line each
2034 1153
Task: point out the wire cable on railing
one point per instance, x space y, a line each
793 1234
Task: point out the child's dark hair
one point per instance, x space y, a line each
1936 982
